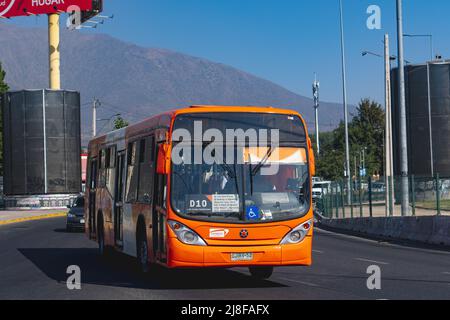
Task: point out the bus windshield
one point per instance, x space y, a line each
252 184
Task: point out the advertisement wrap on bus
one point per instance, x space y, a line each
205 186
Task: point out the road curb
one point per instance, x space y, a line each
33 218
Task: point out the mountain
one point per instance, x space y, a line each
137 82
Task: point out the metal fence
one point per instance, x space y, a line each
429 196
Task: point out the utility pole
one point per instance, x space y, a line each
403 123
388 129
95 105
344 89
54 54
316 86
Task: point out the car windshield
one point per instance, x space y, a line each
79 202
253 185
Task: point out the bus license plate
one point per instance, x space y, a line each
241 256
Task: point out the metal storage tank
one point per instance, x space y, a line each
42 147
428 118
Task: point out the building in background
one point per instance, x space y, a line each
42 147
428 119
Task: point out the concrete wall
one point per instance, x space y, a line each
430 230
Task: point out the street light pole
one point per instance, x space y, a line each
392 57
403 123
430 36
344 89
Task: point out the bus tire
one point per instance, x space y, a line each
142 250
261 273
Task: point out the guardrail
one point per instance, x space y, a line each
429 196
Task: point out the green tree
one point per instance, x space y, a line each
120 123
3 88
368 134
366 131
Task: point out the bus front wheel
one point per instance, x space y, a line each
261 273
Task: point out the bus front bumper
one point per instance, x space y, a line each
185 256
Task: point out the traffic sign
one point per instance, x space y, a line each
363 172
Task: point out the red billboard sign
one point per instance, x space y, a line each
16 8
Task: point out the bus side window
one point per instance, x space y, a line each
102 169
145 170
132 172
92 174
110 169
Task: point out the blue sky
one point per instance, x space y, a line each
284 41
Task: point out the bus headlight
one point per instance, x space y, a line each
297 234
186 235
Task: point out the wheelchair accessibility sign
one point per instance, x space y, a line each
253 213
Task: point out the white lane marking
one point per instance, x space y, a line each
318 251
300 282
384 244
446 272
371 261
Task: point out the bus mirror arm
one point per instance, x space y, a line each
163 161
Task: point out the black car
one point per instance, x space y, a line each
75 216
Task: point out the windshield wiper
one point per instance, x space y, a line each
224 165
254 171
262 162
228 169
233 175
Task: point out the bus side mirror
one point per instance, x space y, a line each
163 161
312 164
312 160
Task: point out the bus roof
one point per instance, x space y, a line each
165 119
243 109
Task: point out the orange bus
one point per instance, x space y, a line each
188 214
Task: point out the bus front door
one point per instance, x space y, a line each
118 199
159 216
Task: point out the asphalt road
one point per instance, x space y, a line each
34 257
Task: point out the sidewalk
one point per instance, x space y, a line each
9 217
